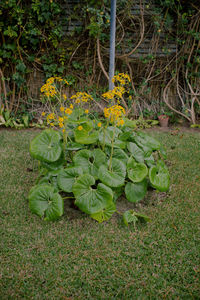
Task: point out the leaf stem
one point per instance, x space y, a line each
112 148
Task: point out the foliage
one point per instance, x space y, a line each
92 160
19 121
42 37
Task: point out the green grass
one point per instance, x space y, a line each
76 258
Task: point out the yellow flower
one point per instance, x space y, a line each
51 116
64 97
68 111
121 78
61 125
52 124
60 120
81 97
121 122
86 111
43 113
99 124
62 108
80 127
114 112
71 106
50 80
63 130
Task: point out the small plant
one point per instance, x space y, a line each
93 161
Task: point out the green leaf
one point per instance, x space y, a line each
85 137
25 119
163 152
136 171
115 177
50 178
82 159
52 166
129 217
136 152
44 201
121 155
90 161
117 192
142 217
136 191
159 176
91 200
67 177
146 142
124 136
130 123
106 136
74 146
105 214
149 160
99 158
46 146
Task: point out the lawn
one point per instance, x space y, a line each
76 258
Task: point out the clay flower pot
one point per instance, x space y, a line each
163 120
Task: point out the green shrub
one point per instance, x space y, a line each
93 161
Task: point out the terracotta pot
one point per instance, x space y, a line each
163 120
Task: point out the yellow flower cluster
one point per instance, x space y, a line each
115 113
118 91
48 89
53 120
121 78
81 97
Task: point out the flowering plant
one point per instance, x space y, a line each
93 161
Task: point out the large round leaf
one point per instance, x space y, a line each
50 178
53 166
86 137
99 158
90 161
121 155
91 200
44 201
136 171
46 146
74 146
115 177
146 142
159 177
105 214
67 177
106 136
136 152
136 191
149 160
82 159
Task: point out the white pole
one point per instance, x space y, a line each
112 43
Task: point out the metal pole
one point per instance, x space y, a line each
112 43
